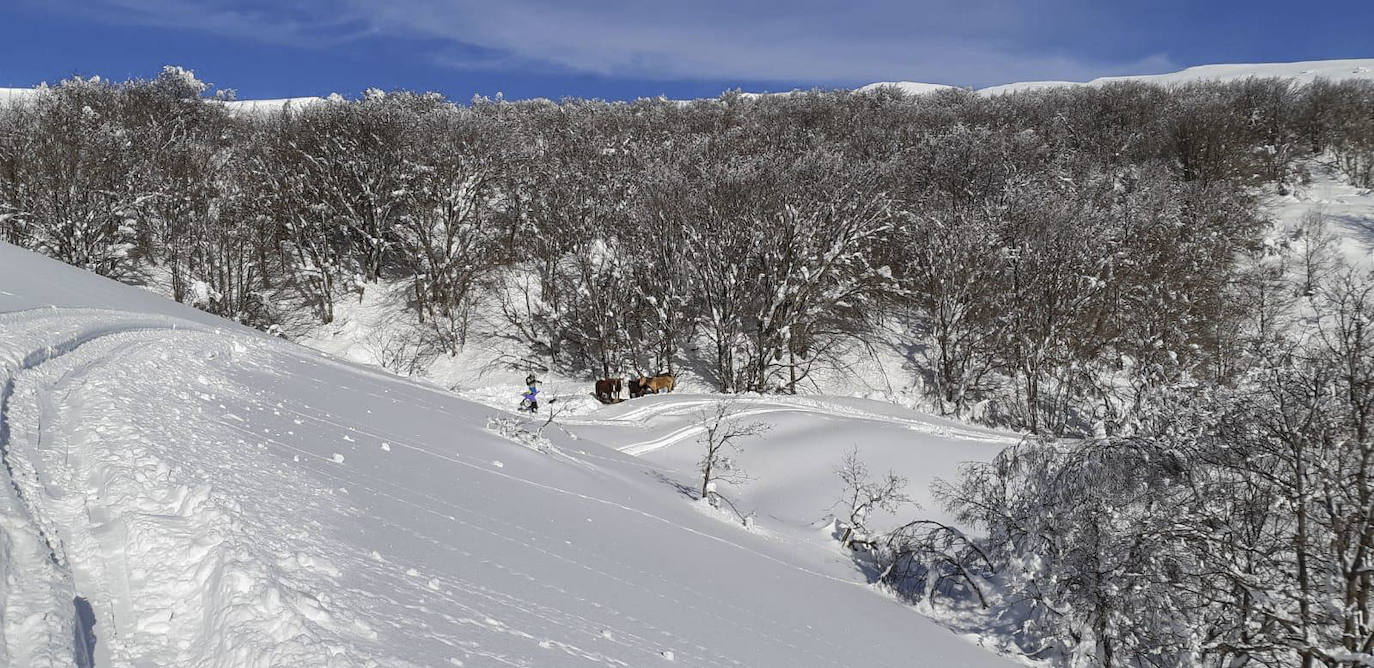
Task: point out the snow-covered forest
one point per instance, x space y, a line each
1095 267
1065 252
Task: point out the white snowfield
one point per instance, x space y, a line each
180 491
1299 72
792 483
8 95
270 106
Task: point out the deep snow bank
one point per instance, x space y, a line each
223 498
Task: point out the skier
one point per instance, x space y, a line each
530 399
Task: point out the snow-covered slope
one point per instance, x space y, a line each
8 95
907 87
1301 72
270 106
1347 212
791 470
185 492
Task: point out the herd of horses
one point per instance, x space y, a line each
608 389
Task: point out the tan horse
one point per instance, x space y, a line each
661 383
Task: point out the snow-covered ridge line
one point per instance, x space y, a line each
1300 72
15 95
270 106
8 95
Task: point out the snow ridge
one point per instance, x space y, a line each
1299 72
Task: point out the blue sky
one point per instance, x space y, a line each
621 49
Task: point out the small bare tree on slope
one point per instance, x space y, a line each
863 494
721 432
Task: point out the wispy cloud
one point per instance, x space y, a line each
970 42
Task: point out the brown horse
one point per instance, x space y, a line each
663 382
608 389
637 388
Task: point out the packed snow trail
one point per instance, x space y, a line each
221 498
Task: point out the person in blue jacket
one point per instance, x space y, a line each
531 396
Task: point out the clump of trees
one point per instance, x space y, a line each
1061 255
1234 527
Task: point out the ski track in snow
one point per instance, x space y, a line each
27 543
124 457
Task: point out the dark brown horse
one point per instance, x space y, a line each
637 388
608 389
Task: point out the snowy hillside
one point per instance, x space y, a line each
8 95
907 87
1299 72
187 492
270 106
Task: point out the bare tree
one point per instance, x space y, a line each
1316 246
862 495
721 432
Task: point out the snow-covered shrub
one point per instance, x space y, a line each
517 429
1229 531
401 349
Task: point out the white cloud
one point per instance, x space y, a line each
972 42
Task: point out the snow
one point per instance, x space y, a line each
223 498
1348 210
1299 72
261 107
793 465
272 106
907 87
10 95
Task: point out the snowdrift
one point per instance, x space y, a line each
182 491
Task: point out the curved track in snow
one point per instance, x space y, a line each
686 406
32 545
